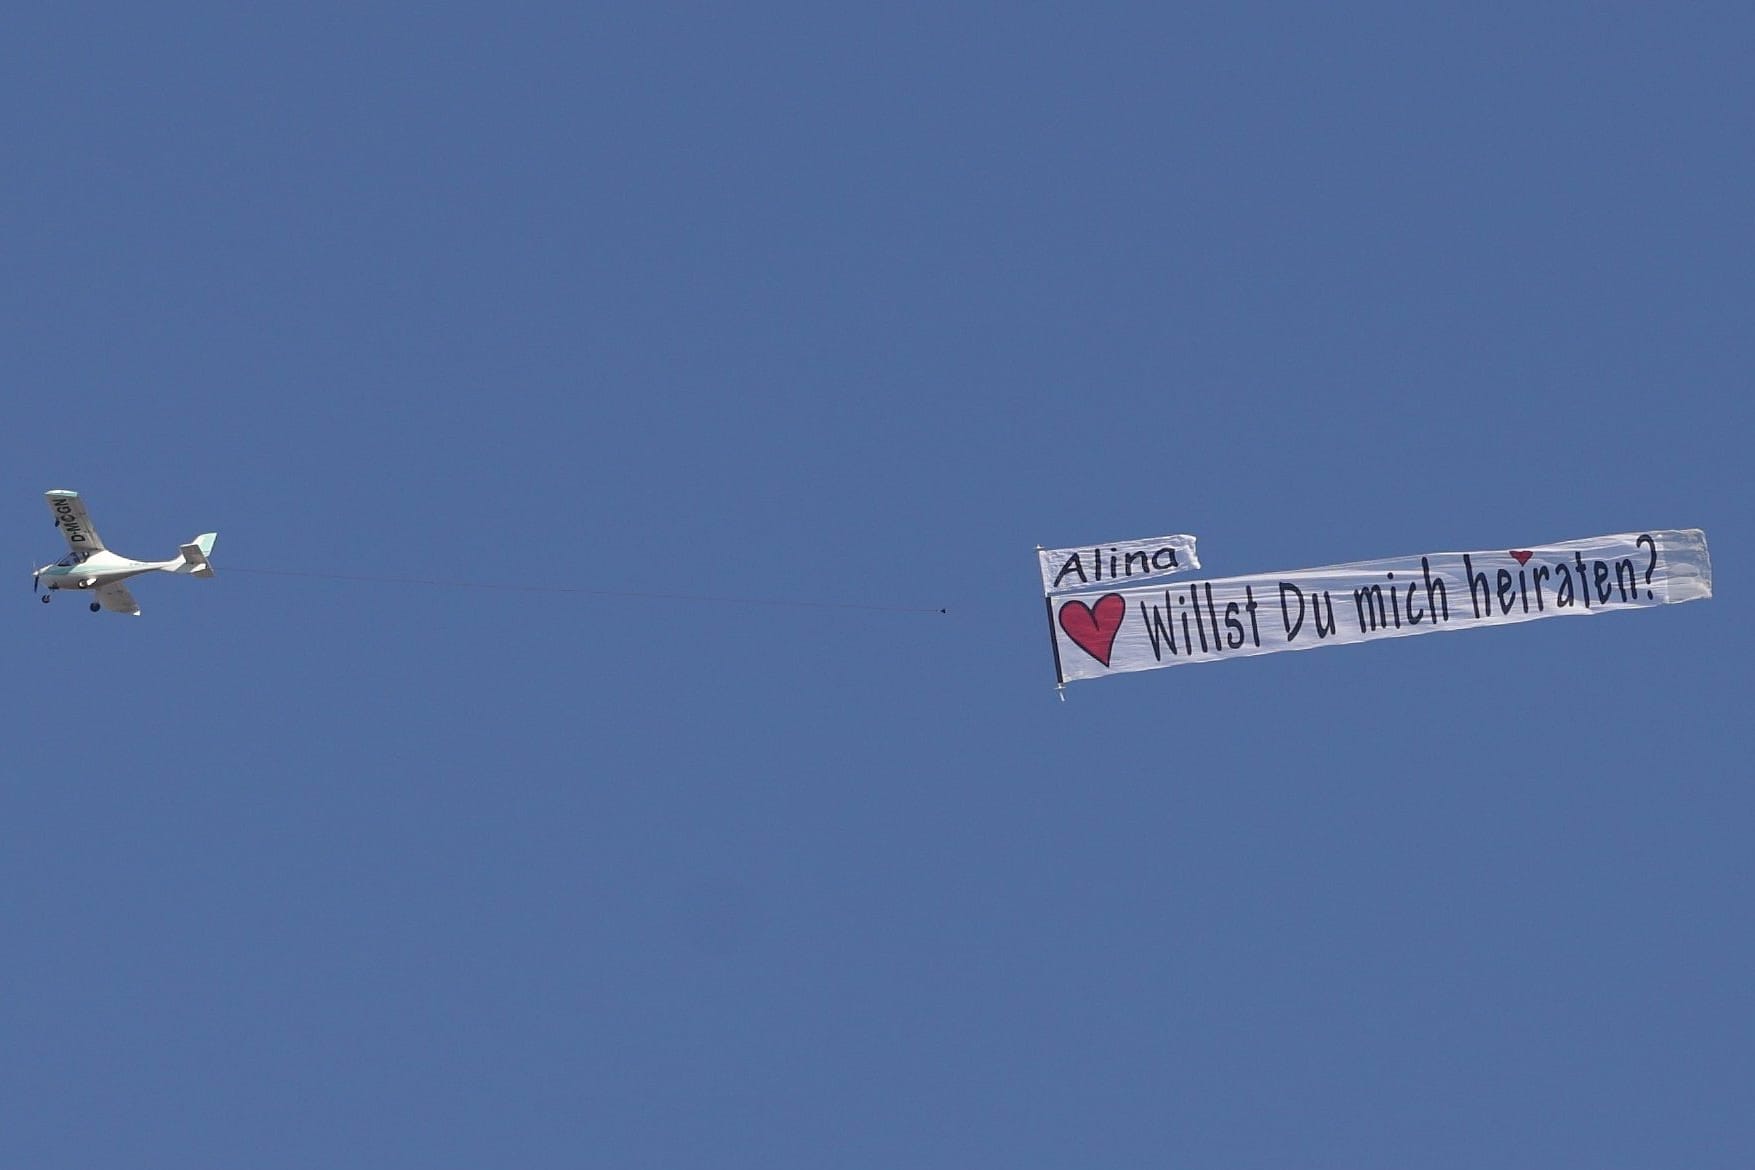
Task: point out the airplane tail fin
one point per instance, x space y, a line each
195 555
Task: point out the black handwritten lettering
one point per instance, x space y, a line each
1435 589
1478 587
1372 614
1161 634
1650 565
1292 627
1628 588
1114 565
1233 627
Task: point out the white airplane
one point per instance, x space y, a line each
90 566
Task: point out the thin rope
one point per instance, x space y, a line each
575 589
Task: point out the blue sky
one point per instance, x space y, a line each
859 306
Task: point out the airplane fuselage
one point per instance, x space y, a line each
90 570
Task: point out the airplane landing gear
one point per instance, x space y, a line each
95 607
46 598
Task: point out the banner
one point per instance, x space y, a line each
1102 632
1131 561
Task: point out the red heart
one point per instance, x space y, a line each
1094 628
1523 555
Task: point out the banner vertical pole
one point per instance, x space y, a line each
1059 677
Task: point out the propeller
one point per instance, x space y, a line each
36 582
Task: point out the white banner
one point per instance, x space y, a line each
1102 632
1132 561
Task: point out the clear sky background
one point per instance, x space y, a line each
858 305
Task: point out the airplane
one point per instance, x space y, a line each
88 565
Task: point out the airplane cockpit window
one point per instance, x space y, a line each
71 558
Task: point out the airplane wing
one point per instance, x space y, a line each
116 598
69 512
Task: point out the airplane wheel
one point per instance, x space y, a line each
45 599
95 607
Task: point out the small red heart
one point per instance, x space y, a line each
1523 555
1093 628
